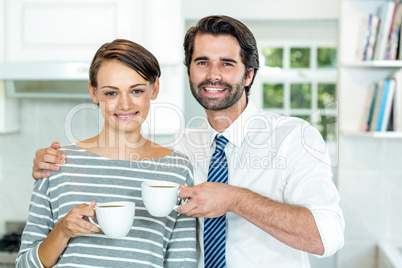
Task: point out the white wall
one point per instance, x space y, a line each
42 121
370 186
262 9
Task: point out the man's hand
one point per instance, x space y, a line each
47 158
208 199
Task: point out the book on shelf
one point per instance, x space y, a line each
377 104
380 36
384 105
397 108
387 16
394 35
372 38
372 100
366 22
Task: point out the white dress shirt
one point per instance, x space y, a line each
282 158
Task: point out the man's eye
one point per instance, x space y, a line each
202 63
137 91
227 64
110 93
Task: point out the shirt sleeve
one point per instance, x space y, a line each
307 181
181 249
39 225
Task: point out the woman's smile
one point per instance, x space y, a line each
126 116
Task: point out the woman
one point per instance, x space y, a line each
124 78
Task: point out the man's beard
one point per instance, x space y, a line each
231 98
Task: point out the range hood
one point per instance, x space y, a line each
45 79
44 70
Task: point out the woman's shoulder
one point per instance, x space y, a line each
179 160
73 149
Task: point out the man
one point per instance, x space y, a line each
279 202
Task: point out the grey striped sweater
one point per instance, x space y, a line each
151 242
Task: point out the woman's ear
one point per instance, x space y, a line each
93 93
155 89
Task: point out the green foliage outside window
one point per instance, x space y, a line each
300 96
273 95
326 57
326 94
300 58
273 57
327 126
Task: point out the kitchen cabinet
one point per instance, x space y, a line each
2 25
61 30
164 30
55 40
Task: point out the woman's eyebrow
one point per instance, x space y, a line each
132 86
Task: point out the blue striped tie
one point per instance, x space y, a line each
215 229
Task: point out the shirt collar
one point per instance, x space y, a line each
237 131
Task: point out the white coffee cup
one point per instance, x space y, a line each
160 197
115 218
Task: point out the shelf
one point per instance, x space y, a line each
374 63
380 135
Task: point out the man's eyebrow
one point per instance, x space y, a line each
222 59
201 58
228 60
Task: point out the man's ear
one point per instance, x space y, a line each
155 89
249 77
93 93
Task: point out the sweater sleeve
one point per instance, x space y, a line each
39 224
181 249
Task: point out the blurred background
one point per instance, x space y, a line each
46 47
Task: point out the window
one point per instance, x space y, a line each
300 80
298 72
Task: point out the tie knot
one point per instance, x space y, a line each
221 142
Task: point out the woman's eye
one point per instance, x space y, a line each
111 93
137 91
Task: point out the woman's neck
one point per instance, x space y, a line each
118 145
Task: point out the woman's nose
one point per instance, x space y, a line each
125 102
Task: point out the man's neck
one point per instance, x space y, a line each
221 120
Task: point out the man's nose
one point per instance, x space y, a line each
214 74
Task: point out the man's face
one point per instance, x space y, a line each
217 74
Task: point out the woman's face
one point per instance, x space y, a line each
123 95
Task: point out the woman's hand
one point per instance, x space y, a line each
74 223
